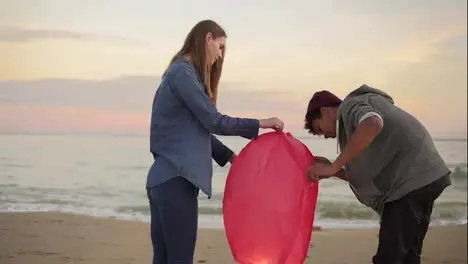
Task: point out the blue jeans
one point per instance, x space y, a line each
174 221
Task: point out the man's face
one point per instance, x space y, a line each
326 124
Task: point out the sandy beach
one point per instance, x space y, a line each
48 238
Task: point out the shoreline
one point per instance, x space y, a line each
215 221
54 237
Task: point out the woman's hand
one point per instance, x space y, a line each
233 157
273 122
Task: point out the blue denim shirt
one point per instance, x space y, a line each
183 122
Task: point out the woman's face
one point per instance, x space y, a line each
214 48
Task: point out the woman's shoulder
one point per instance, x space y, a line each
181 71
180 66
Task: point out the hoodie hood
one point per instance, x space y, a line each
367 90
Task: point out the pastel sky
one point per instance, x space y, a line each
93 66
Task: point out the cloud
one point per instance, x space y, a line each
19 34
132 93
434 73
401 7
120 105
55 119
424 48
123 105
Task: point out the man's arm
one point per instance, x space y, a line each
220 152
341 174
368 123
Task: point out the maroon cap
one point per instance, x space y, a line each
322 99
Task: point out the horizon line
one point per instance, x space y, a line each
298 135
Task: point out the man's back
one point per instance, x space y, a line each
401 159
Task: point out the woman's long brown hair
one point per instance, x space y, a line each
195 47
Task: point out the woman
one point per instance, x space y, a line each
184 119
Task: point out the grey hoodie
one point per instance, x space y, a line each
401 159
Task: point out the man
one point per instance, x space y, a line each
390 162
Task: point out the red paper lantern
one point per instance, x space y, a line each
269 204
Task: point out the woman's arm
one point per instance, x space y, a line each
184 81
220 152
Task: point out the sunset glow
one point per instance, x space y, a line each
278 55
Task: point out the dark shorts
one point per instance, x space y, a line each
404 225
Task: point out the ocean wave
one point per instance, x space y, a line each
141 213
334 210
354 211
459 173
15 190
452 209
126 202
462 166
16 165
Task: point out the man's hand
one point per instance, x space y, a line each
321 170
322 160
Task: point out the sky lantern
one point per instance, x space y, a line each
269 204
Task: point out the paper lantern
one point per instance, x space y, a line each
269 204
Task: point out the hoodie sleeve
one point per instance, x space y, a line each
357 111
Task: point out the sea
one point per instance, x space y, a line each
105 175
